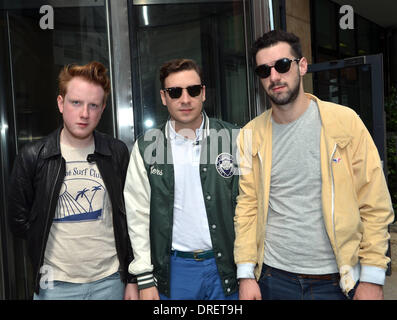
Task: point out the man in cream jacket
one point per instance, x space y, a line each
313 211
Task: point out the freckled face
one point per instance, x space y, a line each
81 109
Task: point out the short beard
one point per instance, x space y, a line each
290 96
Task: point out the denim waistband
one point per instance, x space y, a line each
328 276
198 255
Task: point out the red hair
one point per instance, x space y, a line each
94 72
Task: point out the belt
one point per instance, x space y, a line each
198 255
329 276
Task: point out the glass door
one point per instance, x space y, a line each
213 33
356 83
30 60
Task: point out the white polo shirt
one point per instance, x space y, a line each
190 226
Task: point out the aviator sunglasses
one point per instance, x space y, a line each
176 92
282 66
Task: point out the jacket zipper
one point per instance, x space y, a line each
333 199
46 234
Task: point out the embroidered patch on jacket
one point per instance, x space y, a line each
156 171
336 160
224 165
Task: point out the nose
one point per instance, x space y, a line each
185 97
84 111
274 75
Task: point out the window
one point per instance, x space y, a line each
212 34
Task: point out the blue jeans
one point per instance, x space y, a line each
109 288
195 280
277 284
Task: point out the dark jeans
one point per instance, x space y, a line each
277 284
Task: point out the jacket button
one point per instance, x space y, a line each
228 289
219 254
213 226
226 281
205 169
208 197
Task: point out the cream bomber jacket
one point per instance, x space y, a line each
356 202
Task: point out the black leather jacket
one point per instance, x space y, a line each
35 183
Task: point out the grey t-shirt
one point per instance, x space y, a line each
296 239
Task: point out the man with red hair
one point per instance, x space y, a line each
66 200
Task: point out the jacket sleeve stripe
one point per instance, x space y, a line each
137 200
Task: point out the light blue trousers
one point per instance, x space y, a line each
109 288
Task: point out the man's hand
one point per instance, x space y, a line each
131 292
249 290
368 291
149 294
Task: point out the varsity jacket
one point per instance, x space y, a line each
150 206
355 199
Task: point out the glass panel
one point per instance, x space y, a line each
350 87
377 38
2 227
278 14
212 34
347 45
79 36
36 56
363 40
325 24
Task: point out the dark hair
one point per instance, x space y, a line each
94 72
177 65
275 36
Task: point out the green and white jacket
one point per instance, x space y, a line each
149 199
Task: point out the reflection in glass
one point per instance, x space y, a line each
325 23
36 56
212 34
79 36
350 87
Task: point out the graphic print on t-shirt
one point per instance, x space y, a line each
82 194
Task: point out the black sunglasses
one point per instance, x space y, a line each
282 66
176 92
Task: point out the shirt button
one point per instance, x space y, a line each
213 226
205 169
208 197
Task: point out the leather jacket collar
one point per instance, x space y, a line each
52 145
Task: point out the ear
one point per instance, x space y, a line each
163 98
203 93
303 66
60 102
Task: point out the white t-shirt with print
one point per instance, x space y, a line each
81 246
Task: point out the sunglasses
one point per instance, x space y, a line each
282 66
176 92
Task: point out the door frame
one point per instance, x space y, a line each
377 84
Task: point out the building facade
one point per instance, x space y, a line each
353 66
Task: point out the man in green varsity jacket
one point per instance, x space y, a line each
180 196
